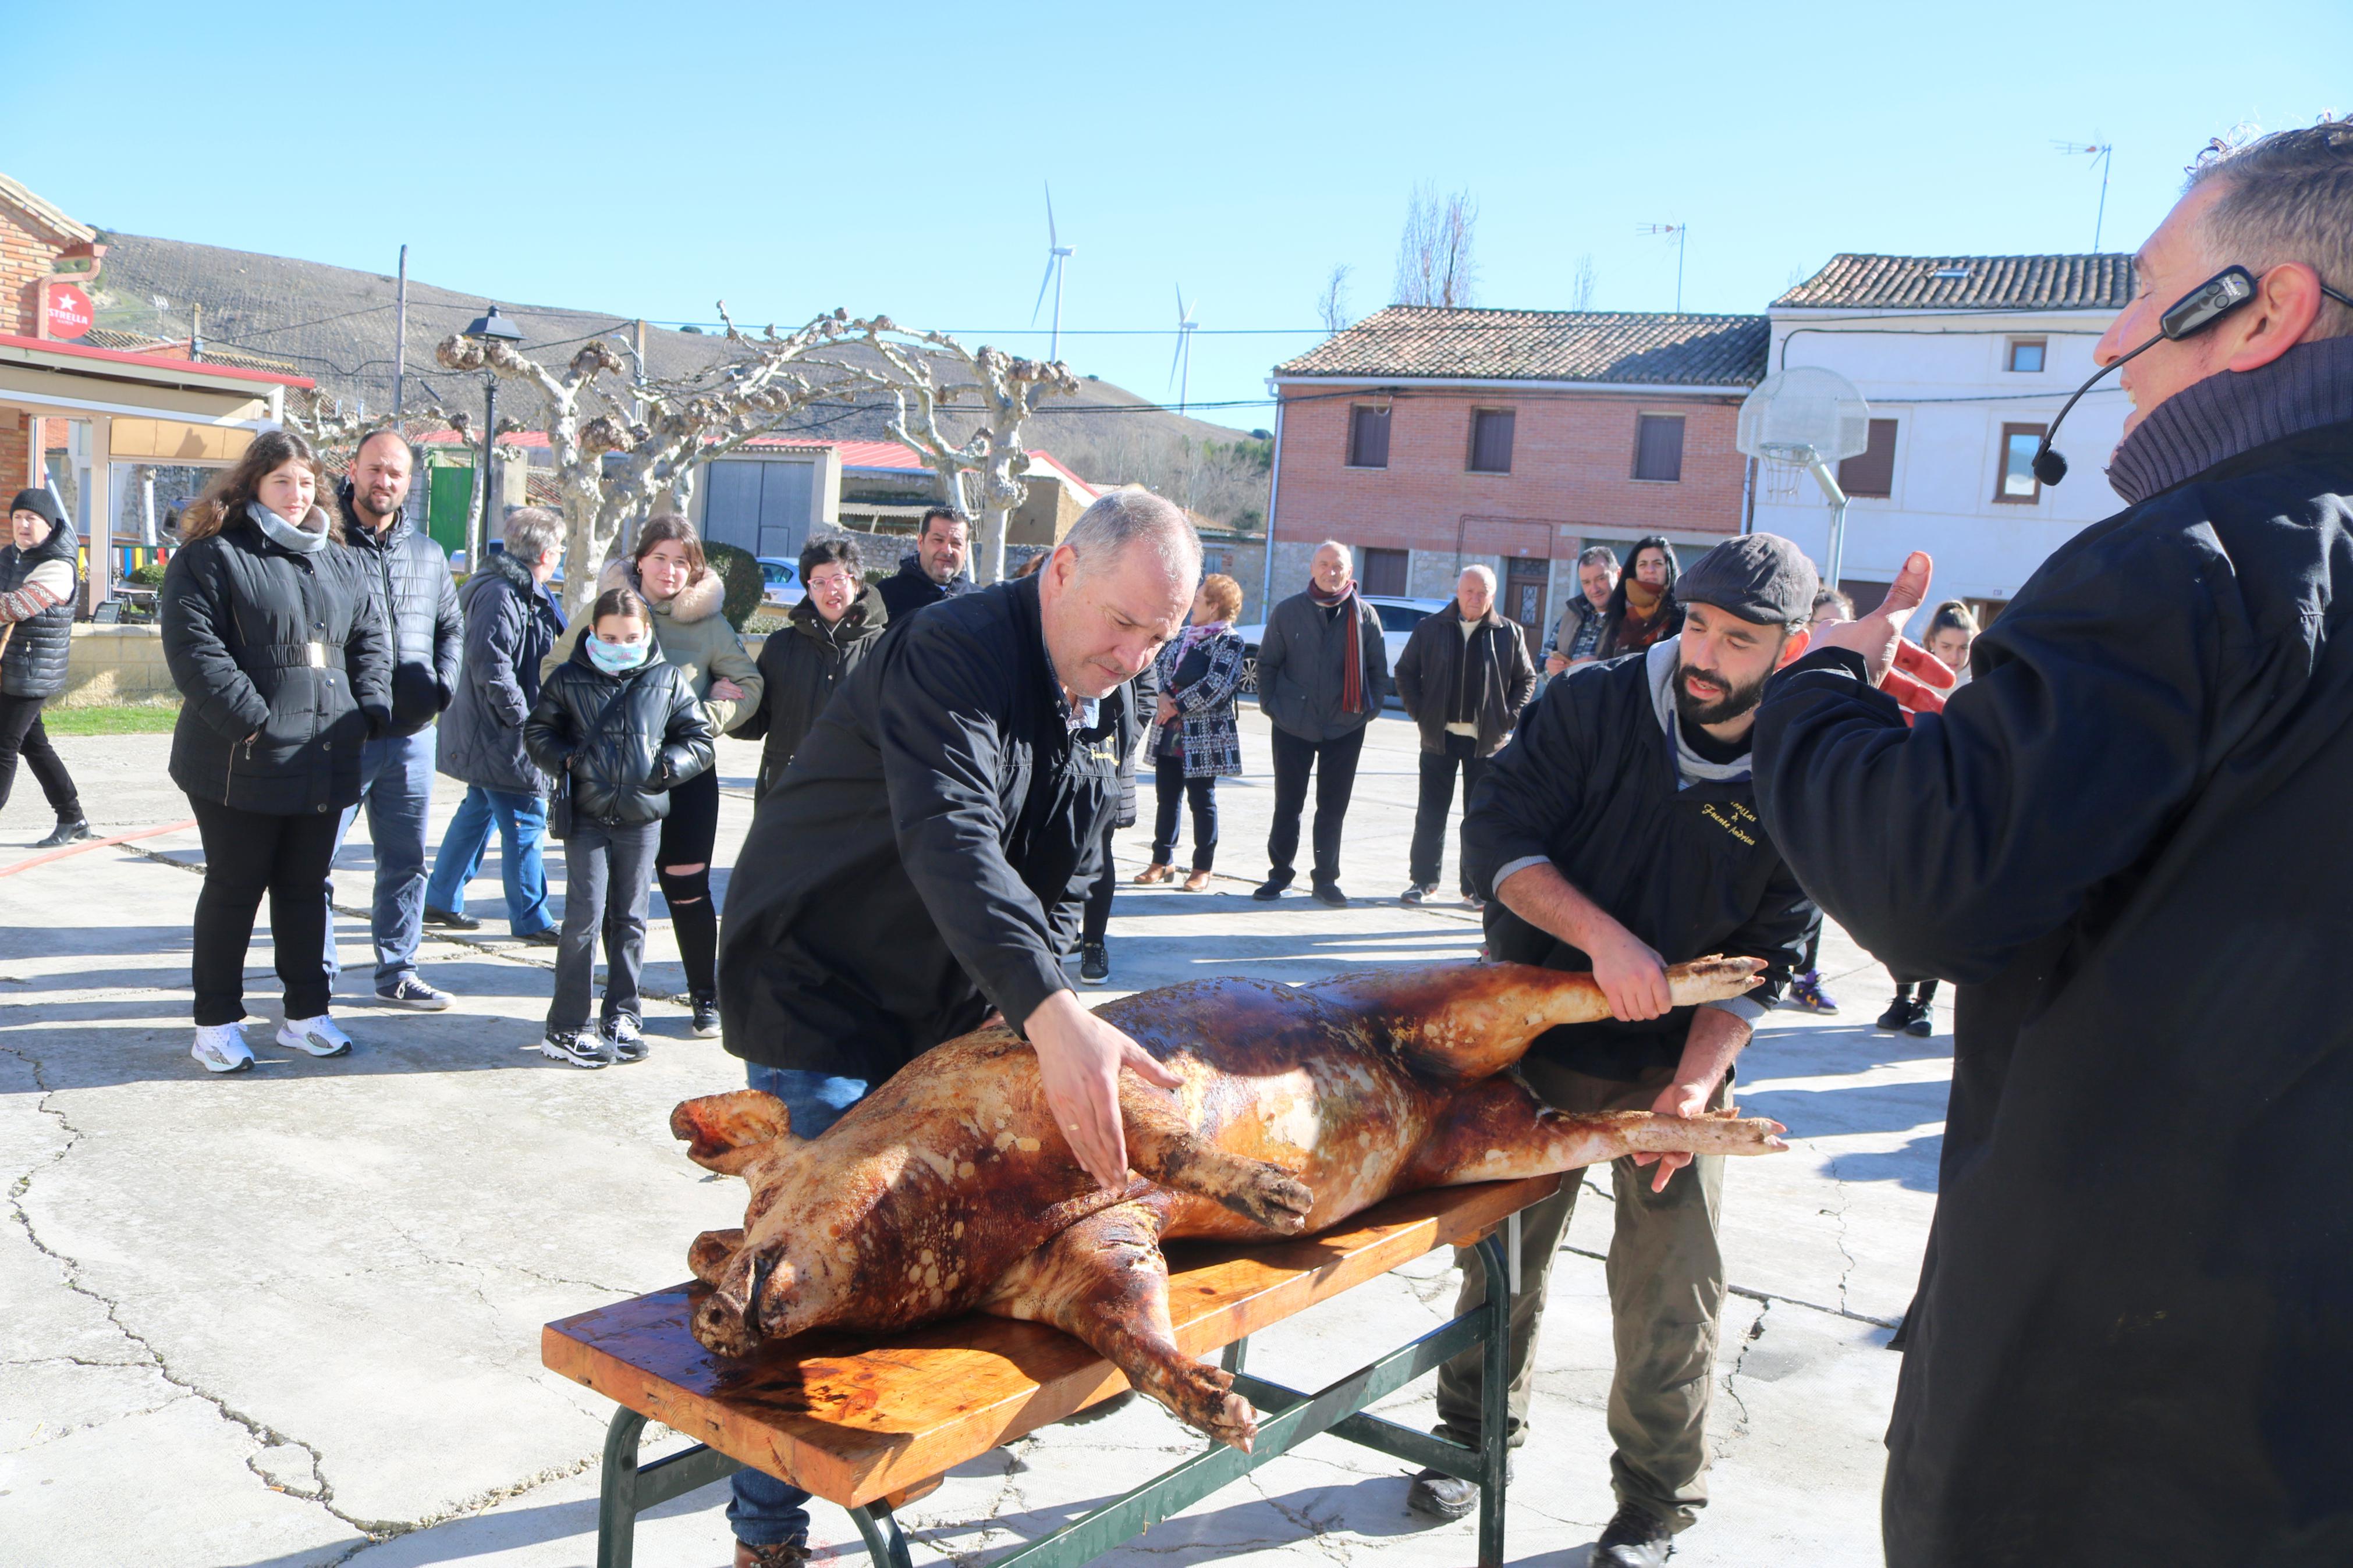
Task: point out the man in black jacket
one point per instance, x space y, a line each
409 577
1323 669
2127 839
1619 833
935 570
1463 677
922 863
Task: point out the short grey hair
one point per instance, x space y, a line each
531 531
1481 569
2287 196
1597 555
1345 553
1126 519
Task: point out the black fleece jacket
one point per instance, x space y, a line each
927 853
2127 838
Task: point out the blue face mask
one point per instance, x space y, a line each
613 657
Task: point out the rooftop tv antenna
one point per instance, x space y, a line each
1681 231
1809 418
2099 152
1184 355
1057 256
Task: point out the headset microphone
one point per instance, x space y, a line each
2191 314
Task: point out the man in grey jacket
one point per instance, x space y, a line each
1322 671
409 577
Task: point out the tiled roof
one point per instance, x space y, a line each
1638 348
2094 281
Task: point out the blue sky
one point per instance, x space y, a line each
792 158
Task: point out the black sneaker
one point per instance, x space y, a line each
706 1018
1266 892
1922 1025
1417 892
1898 1016
579 1047
410 991
1329 894
624 1039
1634 1538
549 936
65 833
1095 963
455 920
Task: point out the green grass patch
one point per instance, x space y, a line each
114 719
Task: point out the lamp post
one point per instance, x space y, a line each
489 330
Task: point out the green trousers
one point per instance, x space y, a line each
1666 1299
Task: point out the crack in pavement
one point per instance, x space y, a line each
1838 1215
1732 1378
264 1436
1319 1533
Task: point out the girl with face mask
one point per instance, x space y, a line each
618 726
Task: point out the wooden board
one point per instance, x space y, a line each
852 1419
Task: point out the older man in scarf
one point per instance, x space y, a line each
1322 672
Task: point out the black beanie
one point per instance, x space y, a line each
43 501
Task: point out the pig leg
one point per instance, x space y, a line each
1498 1130
725 1133
1163 1148
1103 1282
1458 1023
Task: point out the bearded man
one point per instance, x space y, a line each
1619 833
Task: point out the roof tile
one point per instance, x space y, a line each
2101 281
1636 348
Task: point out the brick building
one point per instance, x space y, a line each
73 412
1428 439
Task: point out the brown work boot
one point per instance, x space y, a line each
783 1554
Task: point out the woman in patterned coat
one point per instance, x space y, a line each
1194 741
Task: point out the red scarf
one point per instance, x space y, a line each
1352 664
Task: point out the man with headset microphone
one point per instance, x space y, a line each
2128 839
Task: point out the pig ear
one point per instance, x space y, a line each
711 1252
727 1131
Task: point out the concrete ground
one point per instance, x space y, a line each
291 1317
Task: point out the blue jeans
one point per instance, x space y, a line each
767 1511
522 821
397 788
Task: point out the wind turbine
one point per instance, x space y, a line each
1183 358
1057 255
1681 231
2100 153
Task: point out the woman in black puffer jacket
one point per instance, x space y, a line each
284 662
618 727
828 634
36 610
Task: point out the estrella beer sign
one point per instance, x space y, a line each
70 312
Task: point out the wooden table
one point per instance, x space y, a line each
866 1424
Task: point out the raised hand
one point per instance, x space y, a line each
1878 635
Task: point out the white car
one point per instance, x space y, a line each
1399 618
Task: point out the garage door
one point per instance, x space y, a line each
758 506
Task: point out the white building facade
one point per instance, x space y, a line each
1965 361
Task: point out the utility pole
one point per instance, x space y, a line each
400 339
197 335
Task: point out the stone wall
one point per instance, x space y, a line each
115 664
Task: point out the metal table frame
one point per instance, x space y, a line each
1288 1417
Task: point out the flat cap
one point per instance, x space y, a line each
1759 578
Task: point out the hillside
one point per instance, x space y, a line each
338 325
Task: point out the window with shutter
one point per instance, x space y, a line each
1491 440
1368 437
1871 472
1383 572
1658 447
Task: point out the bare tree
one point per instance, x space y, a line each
611 469
1006 391
1435 265
1333 305
1580 285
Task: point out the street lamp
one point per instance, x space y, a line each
488 329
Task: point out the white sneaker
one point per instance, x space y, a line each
317 1036
222 1047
